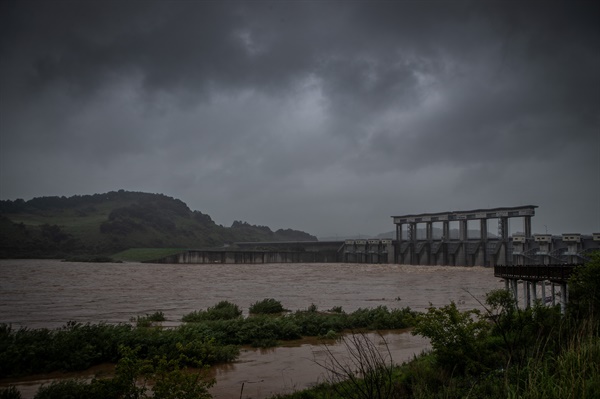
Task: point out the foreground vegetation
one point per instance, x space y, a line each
158 378
502 352
211 336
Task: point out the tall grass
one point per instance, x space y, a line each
572 373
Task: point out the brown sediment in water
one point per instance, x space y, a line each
296 366
47 293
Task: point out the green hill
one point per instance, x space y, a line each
115 221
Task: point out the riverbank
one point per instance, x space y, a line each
264 372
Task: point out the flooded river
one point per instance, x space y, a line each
48 293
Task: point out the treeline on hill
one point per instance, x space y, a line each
115 221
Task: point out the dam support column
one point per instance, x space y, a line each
412 238
503 235
462 253
445 239
527 226
429 238
398 254
484 239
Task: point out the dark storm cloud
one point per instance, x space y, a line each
239 106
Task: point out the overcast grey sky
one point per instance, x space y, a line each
323 116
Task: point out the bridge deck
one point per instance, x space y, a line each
554 273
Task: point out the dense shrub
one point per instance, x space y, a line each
456 337
78 347
148 319
132 377
215 338
266 306
10 392
584 289
224 310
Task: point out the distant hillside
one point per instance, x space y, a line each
115 221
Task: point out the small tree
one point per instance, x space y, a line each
137 378
266 306
584 289
457 337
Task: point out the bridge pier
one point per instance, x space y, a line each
564 297
544 292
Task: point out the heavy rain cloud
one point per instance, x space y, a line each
324 116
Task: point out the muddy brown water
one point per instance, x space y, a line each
48 293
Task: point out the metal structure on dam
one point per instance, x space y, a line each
485 250
441 238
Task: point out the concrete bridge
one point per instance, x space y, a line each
534 279
263 252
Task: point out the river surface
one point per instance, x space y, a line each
48 293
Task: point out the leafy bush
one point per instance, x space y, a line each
78 347
146 321
74 389
224 310
456 337
266 306
213 339
132 377
584 289
10 392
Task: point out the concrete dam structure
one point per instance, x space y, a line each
487 248
479 237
